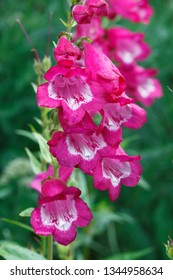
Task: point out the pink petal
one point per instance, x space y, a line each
66 53
81 14
65 173
84 213
38 226
52 187
65 237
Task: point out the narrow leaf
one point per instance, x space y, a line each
26 134
144 184
12 251
63 22
34 86
35 164
38 121
19 224
44 149
26 213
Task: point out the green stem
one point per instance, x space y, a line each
50 247
43 245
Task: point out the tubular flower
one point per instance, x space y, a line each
141 84
111 172
60 212
103 71
66 53
116 115
134 10
80 89
84 13
127 47
92 30
80 145
64 174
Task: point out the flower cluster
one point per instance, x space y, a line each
83 85
126 48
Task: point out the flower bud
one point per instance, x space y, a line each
169 248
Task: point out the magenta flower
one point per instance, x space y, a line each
63 173
97 7
103 71
36 182
60 212
92 30
141 84
81 14
68 88
66 53
80 145
111 172
77 89
134 10
116 115
84 13
127 46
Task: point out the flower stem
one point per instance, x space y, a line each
50 247
43 245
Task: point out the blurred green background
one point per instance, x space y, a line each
142 217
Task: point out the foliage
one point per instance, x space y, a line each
141 218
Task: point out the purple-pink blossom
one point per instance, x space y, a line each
60 212
116 115
63 173
80 89
83 13
66 53
141 83
113 171
134 10
127 47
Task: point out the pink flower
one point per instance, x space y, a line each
66 53
95 32
127 46
80 89
103 71
68 88
84 13
134 10
36 182
60 211
111 172
141 84
92 30
80 145
97 7
81 14
64 174
116 115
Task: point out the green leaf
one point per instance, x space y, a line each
134 255
35 164
26 213
38 121
26 134
34 86
44 149
12 251
144 184
19 224
63 22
